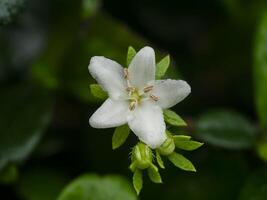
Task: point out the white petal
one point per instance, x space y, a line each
170 92
147 122
142 68
109 74
112 113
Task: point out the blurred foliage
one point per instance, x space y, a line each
219 47
25 113
93 187
9 8
226 129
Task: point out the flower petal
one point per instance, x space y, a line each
170 92
112 113
142 68
109 74
147 122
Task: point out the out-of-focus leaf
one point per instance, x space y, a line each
260 71
255 187
9 174
120 135
130 55
25 114
154 174
226 129
262 149
173 119
98 92
180 161
138 180
89 7
162 67
186 144
8 9
41 183
47 69
93 187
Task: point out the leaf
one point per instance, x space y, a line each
162 67
89 7
130 55
8 9
154 175
260 71
226 129
39 183
138 181
98 92
182 137
255 187
94 187
25 115
186 144
173 119
9 174
159 160
180 161
120 135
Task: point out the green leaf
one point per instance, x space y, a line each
39 183
226 129
262 149
162 67
130 55
25 114
9 174
180 161
173 119
8 9
93 187
185 144
255 187
181 137
154 175
138 181
98 92
159 160
89 7
120 135
260 71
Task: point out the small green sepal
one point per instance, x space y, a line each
130 55
173 119
120 135
138 181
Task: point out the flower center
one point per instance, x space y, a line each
136 96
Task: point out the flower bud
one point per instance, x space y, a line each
142 156
167 147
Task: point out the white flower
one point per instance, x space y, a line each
135 97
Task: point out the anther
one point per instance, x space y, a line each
132 105
126 74
148 88
129 89
155 98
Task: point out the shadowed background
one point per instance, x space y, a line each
219 47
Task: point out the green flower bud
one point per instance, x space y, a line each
142 156
167 147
